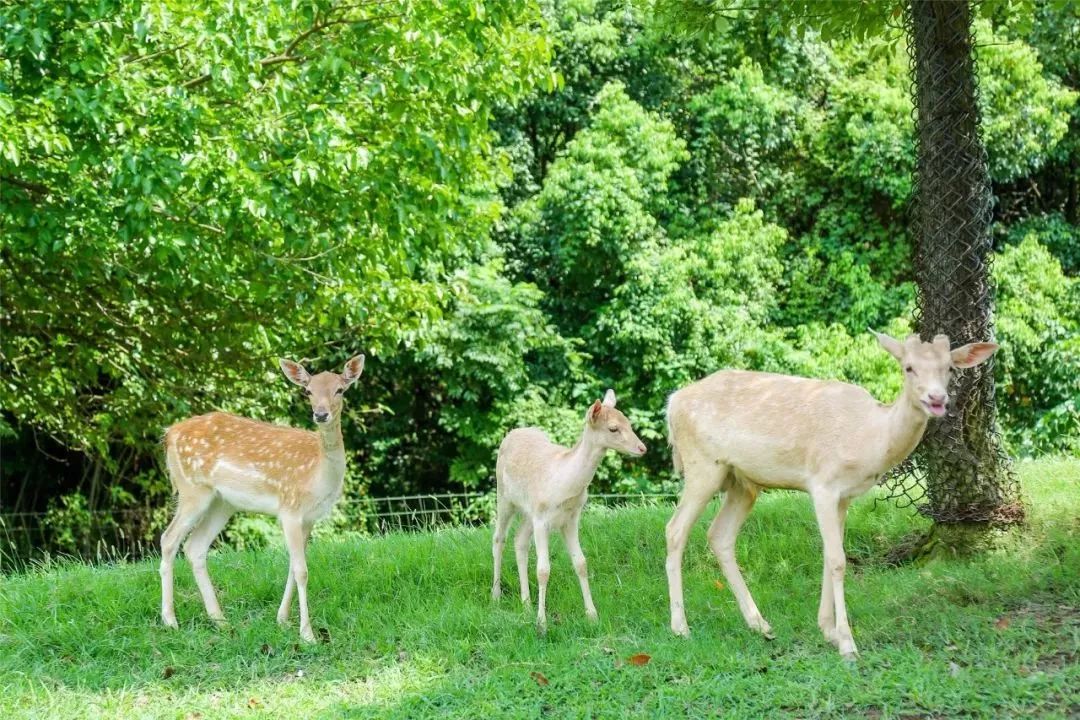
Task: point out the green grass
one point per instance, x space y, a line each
413 632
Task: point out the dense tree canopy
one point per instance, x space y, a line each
511 206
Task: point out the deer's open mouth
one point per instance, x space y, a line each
935 408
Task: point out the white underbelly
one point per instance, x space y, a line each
249 501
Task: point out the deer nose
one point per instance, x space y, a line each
938 399
641 449
321 416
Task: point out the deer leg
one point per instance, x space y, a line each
198 545
827 509
189 510
290 584
738 501
543 572
573 547
295 540
521 552
702 483
827 609
504 513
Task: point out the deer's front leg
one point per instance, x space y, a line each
577 557
827 509
295 540
290 583
827 607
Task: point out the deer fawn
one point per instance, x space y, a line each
220 463
740 432
548 485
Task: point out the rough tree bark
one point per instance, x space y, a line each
969 480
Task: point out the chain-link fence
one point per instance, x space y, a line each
101 536
959 473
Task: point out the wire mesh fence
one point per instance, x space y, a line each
960 472
130 534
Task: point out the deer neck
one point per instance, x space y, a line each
331 444
582 461
905 424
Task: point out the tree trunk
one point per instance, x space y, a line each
968 477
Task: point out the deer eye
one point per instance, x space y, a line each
613 429
909 369
339 391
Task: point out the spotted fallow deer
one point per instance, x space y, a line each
220 464
740 432
548 485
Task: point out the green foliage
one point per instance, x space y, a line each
478 358
597 210
690 308
508 206
71 525
1026 112
744 134
187 192
1039 368
1055 233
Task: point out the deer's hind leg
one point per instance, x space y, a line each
703 480
738 500
193 503
521 552
198 545
504 513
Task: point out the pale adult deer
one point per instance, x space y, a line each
741 432
548 485
220 463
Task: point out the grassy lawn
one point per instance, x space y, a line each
412 631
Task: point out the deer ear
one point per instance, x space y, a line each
972 354
891 344
594 411
609 398
295 372
353 369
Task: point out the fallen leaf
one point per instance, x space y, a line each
1003 622
539 677
719 585
254 702
168 672
639 659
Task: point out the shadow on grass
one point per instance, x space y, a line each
413 632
